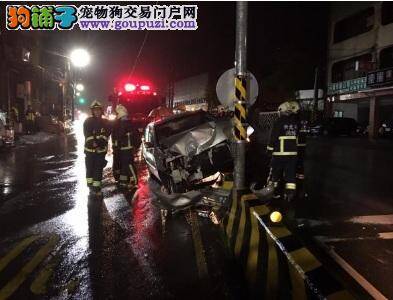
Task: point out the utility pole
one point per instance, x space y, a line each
240 116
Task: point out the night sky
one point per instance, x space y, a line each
286 41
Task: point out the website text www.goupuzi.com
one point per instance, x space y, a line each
138 24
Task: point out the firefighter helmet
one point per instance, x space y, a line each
121 111
289 107
295 107
96 104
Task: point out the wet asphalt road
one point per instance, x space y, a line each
350 207
55 243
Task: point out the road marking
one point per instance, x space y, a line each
373 219
198 246
18 249
16 282
232 214
385 235
272 270
39 285
297 282
240 232
374 292
252 259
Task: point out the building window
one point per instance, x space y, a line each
338 114
386 58
354 25
352 68
387 13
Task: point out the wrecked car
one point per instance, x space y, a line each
185 150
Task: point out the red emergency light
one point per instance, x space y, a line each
145 88
129 87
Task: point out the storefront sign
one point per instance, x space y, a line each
380 78
347 87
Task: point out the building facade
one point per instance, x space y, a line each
360 62
32 75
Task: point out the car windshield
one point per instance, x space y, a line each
176 126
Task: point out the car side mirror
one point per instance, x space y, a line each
148 144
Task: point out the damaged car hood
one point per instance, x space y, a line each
198 139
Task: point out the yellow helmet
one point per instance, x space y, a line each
289 107
121 111
284 108
295 107
96 104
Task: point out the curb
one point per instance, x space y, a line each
275 263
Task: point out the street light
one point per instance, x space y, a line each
80 87
80 58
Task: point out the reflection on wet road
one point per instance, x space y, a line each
55 243
350 209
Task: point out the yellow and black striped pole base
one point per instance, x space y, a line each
240 117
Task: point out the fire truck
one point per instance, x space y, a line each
139 99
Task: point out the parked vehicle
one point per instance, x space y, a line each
386 129
183 150
335 126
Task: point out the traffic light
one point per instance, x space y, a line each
81 100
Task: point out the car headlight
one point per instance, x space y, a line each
191 148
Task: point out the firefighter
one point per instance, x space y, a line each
30 120
123 154
96 131
282 148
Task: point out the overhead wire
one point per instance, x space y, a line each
139 52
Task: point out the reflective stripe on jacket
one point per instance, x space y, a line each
30 116
96 131
284 136
122 137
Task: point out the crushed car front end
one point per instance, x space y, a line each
190 148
